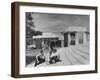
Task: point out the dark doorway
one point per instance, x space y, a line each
65 39
72 38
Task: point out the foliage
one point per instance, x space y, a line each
30 32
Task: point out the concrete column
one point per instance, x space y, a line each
84 38
62 40
69 39
61 37
62 43
76 38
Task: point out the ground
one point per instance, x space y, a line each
72 55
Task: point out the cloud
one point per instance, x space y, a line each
59 22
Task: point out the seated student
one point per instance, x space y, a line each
54 57
40 58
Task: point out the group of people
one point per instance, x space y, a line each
50 56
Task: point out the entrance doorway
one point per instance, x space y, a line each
72 35
65 39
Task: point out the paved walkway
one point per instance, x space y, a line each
73 55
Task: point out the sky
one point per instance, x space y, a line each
47 22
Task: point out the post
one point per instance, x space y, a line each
84 38
76 38
62 40
69 39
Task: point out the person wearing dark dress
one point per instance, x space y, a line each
40 58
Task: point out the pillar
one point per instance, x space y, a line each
62 40
76 38
62 43
69 39
84 38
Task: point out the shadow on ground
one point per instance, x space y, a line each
30 59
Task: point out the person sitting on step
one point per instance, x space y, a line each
40 58
54 57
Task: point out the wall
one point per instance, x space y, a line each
5 40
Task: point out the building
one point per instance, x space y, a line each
75 36
46 38
71 36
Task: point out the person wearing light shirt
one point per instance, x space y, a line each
54 57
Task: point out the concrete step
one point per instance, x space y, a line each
68 57
83 48
64 57
82 53
79 56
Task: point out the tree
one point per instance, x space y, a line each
30 32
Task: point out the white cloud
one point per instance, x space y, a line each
59 22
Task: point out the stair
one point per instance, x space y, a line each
72 55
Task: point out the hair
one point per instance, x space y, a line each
54 50
41 51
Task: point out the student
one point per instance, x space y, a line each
54 57
40 58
